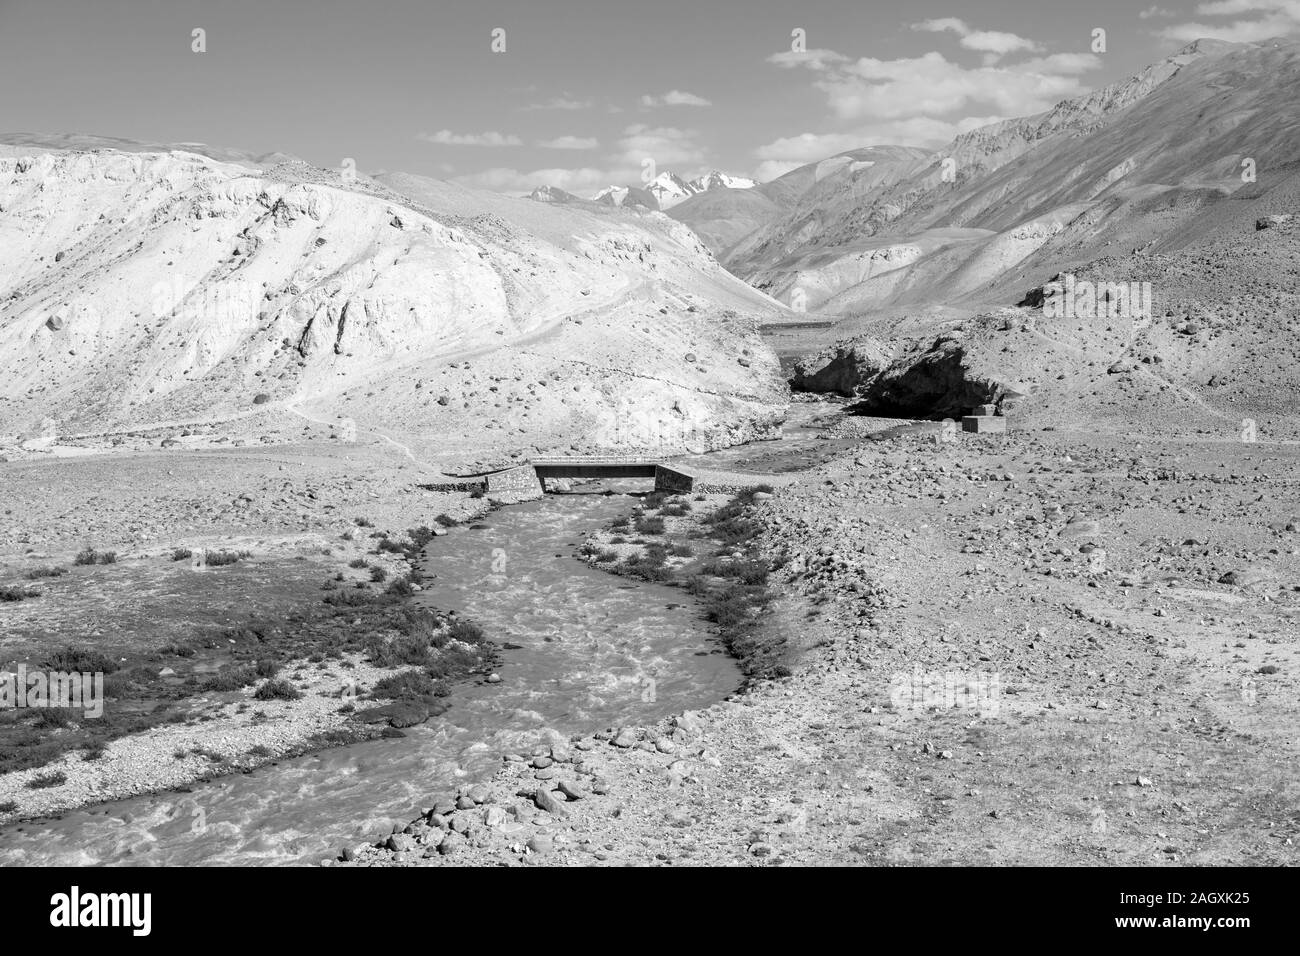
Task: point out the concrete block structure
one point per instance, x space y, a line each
984 424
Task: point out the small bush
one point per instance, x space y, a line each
646 524
406 684
46 780
466 632
358 563
231 678
217 559
10 594
267 668
277 689
182 554
79 660
401 587
377 575
8 806
91 556
37 573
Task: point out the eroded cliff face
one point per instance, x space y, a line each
148 287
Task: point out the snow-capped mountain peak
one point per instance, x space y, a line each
720 180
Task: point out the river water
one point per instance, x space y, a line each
589 650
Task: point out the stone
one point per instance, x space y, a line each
541 844
625 739
495 817
546 800
571 790
451 843
401 842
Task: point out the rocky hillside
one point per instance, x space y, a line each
1096 175
154 286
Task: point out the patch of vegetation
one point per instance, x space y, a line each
217 559
647 524
35 574
467 632
277 689
91 556
182 554
8 806
358 563
231 677
79 660
12 594
46 780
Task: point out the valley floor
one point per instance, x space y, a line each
1046 648
1052 649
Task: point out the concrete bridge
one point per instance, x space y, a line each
530 477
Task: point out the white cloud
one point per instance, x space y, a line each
445 137
930 85
560 103
1255 20
1156 11
811 59
667 146
674 98
570 142
994 43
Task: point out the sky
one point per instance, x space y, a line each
579 94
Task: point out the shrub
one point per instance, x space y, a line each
466 632
91 556
277 689
646 524
378 574
51 718
79 660
94 750
17 594
401 587
358 563
181 554
8 806
231 678
46 780
681 551
676 510
405 684
37 573
217 559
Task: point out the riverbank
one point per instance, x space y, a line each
232 630
1048 648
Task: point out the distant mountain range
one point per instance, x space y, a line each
661 193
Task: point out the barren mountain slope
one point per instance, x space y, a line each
728 217
155 287
1219 351
1097 175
